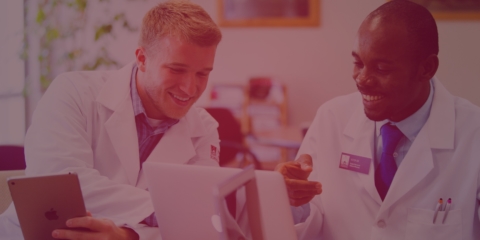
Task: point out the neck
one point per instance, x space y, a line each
415 105
147 101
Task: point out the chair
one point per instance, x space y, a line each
5 198
231 138
12 158
231 143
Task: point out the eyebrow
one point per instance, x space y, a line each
186 66
378 60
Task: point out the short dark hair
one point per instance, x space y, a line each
420 24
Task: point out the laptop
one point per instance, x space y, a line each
248 223
45 203
184 201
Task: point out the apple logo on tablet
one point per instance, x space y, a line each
217 224
51 215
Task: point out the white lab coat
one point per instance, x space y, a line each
443 162
85 123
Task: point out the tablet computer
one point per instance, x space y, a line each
45 203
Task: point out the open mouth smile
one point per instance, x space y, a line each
183 99
372 98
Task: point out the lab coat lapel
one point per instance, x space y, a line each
437 133
360 131
415 166
120 126
175 146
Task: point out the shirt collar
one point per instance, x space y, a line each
137 102
138 108
411 125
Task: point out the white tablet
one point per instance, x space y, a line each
45 203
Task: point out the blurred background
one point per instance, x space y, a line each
270 75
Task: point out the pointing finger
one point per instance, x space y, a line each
305 161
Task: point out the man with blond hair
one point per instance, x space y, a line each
103 125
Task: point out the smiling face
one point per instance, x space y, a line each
172 76
391 80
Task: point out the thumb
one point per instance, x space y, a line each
305 162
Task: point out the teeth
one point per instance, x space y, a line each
370 98
180 98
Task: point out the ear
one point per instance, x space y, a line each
141 59
428 67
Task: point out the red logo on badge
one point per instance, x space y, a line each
213 152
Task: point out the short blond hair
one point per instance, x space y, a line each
182 19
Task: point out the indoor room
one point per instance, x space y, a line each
277 63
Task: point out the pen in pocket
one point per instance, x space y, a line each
447 208
438 208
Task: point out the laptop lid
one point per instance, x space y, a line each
243 186
183 199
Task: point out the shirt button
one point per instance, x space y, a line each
395 154
381 224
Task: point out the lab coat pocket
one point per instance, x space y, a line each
420 225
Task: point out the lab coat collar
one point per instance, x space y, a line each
120 126
360 130
441 122
438 133
176 145
116 88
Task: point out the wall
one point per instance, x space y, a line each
316 63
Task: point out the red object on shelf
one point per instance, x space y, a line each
259 87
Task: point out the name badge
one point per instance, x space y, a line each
355 163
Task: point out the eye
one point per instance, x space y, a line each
177 70
358 64
203 74
383 69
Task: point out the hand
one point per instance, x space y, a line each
300 190
95 229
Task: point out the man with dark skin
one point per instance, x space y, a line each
395 60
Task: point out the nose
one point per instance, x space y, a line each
362 77
188 85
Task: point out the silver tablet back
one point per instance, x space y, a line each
45 203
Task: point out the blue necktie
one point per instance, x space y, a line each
387 168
